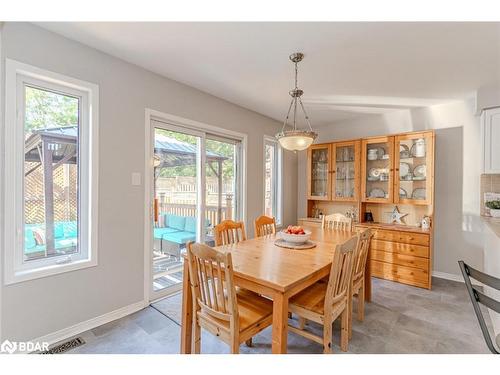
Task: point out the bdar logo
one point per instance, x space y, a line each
8 347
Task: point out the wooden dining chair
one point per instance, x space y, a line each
235 316
325 301
229 231
265 225
337 221
358 275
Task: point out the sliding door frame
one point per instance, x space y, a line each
198 129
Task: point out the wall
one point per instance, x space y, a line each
458 227
36 308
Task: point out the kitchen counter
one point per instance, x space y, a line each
492 223
398 227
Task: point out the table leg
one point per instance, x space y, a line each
368 280
187 312
280 323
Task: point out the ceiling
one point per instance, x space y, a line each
349 70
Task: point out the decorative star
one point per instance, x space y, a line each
396 216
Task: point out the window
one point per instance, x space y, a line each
50 174
272 179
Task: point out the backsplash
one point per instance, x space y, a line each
490 183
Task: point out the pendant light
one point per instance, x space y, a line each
296 139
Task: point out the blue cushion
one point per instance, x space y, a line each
159 232
29 239
70 229
63 243
190 224
180 237
58 230
176 222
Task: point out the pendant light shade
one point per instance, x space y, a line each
296 139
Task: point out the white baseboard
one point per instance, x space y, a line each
78 328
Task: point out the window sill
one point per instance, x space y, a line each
51 270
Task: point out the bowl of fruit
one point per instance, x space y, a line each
295 234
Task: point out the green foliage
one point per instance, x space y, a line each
45 109
495 205
217 147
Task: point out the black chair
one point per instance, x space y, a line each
478 297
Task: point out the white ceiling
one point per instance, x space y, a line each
350 69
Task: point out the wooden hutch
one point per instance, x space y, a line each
375 175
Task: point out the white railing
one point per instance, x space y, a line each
213 214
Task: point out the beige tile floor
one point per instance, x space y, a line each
400 319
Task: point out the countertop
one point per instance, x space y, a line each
493 223
397 227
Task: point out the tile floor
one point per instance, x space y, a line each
400 319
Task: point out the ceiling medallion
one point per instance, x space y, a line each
296 139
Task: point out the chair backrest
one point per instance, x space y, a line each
211 275
341 272
477 297
361 253
337 221
228 232
265 225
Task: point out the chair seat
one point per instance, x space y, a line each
311 298
252 308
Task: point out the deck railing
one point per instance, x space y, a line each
213 214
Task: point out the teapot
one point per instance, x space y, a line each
418 148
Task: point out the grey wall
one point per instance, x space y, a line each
457 174
35 308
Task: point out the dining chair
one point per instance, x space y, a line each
229 231
325 301
336 221
477 297
264 225
235 316
358 275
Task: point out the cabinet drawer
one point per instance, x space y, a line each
412 238
401 248
399 259
402 274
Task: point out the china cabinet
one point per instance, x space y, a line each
345 170
377 159
318 171
414 168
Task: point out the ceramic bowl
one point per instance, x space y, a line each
296 238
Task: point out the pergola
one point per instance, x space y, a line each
51 148
170 152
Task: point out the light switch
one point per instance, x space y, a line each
136 179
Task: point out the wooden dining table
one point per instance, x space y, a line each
275 272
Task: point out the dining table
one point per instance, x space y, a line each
259 265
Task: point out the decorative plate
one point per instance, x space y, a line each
404 170
403 193
376 193
374 172
404 151
418 194
289 245
420 171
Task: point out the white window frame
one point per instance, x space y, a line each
17 75
278 176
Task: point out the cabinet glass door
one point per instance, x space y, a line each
414 168
345 171
377 169
319 172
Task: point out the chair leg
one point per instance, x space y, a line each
344 330
249 342
302 322
235 346
196 337
361 303
327 336
350 314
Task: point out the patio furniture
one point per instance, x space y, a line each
478 297
65 236
178 231
234 316
265 225
229 232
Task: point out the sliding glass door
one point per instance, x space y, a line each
188 200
